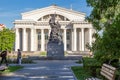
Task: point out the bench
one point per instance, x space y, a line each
2 68
107 71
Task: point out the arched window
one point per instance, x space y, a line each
58 17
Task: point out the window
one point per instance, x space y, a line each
46 36
68 35
39 36
39 46
68 46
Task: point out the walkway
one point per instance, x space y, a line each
45 70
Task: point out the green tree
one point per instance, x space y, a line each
7 38
105 17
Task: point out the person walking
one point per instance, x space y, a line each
4 57
19 57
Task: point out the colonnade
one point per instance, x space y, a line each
74 39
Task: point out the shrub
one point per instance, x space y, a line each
24 60
92 65
81 73
117 74
79 61
27 60
43 53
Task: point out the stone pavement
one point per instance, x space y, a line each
45 70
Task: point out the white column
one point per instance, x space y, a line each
75 40
42 40
35 40
65 44
90 36
32 39
49 30
82 30
72 44
24 40
80 41
17 41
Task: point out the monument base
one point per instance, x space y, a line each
55 50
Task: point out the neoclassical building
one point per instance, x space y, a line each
33 30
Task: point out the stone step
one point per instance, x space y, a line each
56 58
53 77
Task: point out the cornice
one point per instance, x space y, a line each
38 23
46 23
80 22
53 7
24 22
69 10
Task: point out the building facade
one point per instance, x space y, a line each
2 26
33 30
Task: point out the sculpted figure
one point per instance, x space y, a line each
55 30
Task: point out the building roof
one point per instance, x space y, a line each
54 7
2 26
38 13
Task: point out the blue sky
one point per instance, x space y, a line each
10 10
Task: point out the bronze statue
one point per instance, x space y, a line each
55 30
55 46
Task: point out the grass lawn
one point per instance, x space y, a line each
11 69
43 53
80 72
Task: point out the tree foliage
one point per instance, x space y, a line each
105 17
7 38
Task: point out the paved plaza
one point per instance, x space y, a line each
45 70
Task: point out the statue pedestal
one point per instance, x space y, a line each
55 50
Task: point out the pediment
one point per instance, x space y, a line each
62 13
57 17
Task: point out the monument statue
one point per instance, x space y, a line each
55 30
55 46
